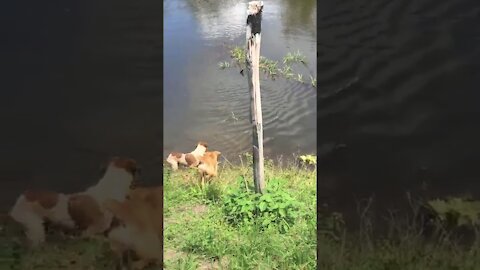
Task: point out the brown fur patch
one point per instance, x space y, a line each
152 195
209 163
210 157
143 212
47 199
128 164
143 206
130 212
84 210
176 154
190 159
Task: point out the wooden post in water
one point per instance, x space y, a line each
254 25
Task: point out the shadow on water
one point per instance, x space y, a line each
80 84
398 87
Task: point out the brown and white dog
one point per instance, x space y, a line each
208 166
191 159
138 226
83 211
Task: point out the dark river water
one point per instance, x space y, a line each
81 82
203 102
399 99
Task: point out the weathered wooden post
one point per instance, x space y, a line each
254 25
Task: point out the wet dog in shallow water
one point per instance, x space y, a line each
80 211
191 159
138 226
208 166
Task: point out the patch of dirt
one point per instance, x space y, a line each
199 209
196 209
171 255
215 265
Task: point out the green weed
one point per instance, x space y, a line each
313 81
464 212
295 57
309 159
271 67
223 65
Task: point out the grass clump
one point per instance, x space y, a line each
422 239
228 226
58 252
223 65
458 210
309 159
295 57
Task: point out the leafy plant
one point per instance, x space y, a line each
277 207
273 208
239 204
239 55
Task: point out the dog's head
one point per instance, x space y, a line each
210 157
200 149
129 165
213 154
203 143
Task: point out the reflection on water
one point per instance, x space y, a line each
219 19
300 16
203 102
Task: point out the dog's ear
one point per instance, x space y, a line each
128 164
218 153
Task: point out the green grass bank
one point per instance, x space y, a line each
226 225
